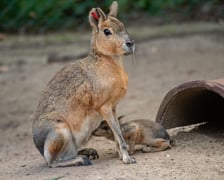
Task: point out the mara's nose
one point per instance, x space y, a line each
129 43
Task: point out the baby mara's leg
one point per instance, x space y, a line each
156 145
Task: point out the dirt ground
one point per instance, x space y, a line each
159 65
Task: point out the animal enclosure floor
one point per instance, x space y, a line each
158 66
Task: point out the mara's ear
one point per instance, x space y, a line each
95 16
113 9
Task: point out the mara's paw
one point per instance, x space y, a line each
89 152
129 160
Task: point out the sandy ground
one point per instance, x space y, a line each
158 66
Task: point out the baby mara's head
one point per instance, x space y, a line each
104 130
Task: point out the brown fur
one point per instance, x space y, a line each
151 135
83 93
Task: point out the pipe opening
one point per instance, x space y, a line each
192 106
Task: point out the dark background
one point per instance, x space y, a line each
41 16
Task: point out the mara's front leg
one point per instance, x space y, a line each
108 115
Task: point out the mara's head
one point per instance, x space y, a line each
109 34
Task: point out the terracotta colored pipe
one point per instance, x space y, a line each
193 102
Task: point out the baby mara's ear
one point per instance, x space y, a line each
96 15
120 118
113 9
128 128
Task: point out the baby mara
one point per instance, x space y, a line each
150 134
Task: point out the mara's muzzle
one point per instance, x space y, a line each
129 47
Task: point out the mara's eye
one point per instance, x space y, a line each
107 32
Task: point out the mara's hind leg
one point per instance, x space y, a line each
60 149
156 145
